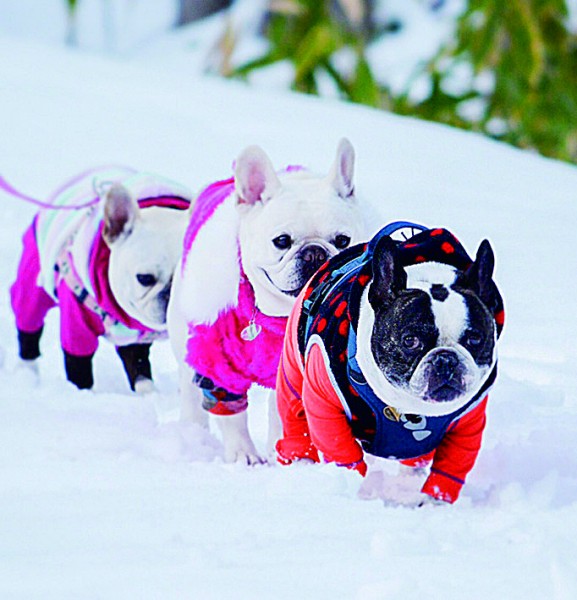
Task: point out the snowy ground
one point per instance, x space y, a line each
104 495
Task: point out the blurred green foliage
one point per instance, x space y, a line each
520 56
308 34
526 51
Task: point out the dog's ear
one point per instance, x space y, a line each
479 276
254 177
389 277
120 214
341 174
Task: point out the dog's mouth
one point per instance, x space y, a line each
293 293
444 392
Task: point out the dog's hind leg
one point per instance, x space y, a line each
191 398
29 301
29 344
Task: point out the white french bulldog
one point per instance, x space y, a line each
108 267
252 244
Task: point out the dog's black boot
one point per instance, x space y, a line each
29 344
135 358
79 370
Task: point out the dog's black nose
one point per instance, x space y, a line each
445 361
314 256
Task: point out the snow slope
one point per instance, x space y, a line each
105 495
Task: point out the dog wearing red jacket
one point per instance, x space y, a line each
391 350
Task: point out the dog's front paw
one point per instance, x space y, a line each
143 385
238 445
426 500
243 452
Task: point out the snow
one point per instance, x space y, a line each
105 495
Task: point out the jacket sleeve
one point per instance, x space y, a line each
329 427
295 443
456 455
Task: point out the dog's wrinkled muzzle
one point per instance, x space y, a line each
301 266
444 375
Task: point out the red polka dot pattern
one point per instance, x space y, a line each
340 309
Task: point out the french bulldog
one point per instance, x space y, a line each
105 253
391 350
252 243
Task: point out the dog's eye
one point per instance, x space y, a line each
341 241
473 338
146 279
283 242
411 342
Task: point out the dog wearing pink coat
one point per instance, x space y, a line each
104 253
252 243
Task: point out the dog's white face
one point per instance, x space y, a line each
145 246
291 223
426 336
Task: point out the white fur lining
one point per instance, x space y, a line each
211 272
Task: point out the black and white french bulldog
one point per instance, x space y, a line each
108 267
252 244
397 344
426 336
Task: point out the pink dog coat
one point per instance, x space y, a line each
221 350
65 263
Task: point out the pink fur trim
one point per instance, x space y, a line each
218 351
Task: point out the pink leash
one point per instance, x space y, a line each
12 191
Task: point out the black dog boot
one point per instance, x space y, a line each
79 370
29 344
135 358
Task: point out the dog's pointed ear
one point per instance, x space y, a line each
389 277
121 212
479 276
255 179
341 174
